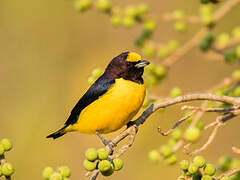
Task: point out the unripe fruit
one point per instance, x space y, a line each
165 150
6 144
128 21
223 39
103 5
172 159
200 125
115 20
209 170
173 45
204 46
234 164
162 52
178 14
236 32
176 134
192 168
206 177
159 71
205 1
154 156
64 171
108 172
56 176
102 154
118 164
149 25
207 20
104 165
0 171
1 150
171 143
236 91
96 72
199 161
91 80
175 92
82 5
91 154
230 56
131 11
209 38
142 9
192 134
7 169
238 51
226 178
88 165
184 164
47 172
180 26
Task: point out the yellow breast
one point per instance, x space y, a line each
112 110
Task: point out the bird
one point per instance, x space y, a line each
112 100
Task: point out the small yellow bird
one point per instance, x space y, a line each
112 100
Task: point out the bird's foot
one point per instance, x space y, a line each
104 141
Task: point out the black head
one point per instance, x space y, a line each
128 65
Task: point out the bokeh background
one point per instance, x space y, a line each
47 52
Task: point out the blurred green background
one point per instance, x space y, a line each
47 51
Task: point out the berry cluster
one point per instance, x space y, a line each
6 168
99 159
62 173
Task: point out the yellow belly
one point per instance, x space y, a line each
112 110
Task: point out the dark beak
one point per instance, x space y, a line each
142 63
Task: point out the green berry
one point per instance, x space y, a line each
96 72
226 178
209 170
128 21
165 150
236 74
206 10
205 1
1 150
159 71
238 51
209 38
64 171
163 52
207 20
180 26
223 39
230 56
88 165
192 134
200 125
82 5
206 177
103 5
149 25
236 32
154 156
7 169
178 14
116 20
199 161
192 168
234 164
56 176
104 165
102 154
236 91
131 11
176 134
173 45
172 159
118 164
142 9
204 46
47 172
148 50
0 171
91 80
108 172
91 154
171 143
184 164
175 92
6 144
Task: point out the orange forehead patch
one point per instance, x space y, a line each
133 57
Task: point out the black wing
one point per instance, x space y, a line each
100 87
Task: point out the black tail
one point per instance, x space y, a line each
57 134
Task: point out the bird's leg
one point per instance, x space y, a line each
104 141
